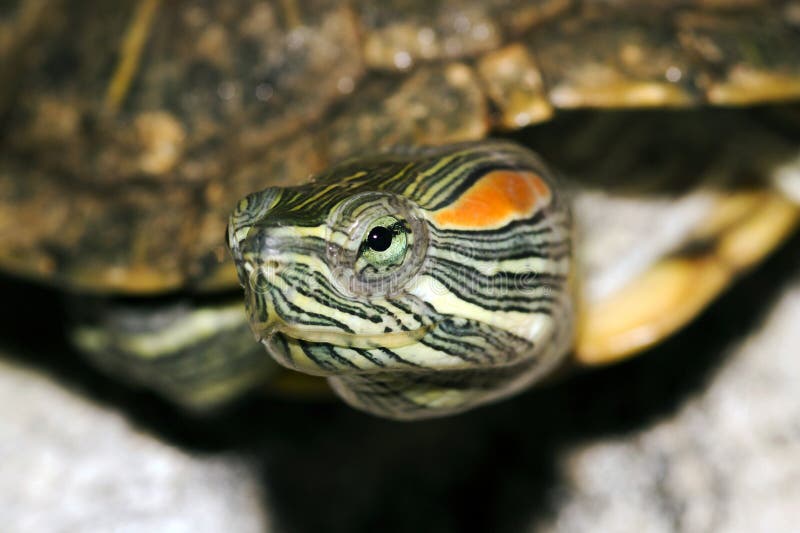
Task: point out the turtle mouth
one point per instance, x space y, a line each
394 339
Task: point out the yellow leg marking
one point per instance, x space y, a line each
760 233
744 228
130 54
208 397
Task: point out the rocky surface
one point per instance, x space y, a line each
728 459
70 464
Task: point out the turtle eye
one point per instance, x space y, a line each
384 245
376 243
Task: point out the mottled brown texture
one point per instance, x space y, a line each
514 84
602 62
401 33
216 83
745 59
435 105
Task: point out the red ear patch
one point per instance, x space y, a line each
496 199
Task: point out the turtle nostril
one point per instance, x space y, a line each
273 266
266 275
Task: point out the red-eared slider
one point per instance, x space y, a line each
131 129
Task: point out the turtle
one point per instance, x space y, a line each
668 162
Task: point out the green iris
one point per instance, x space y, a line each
385 243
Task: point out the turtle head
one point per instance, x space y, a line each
329 272
421 281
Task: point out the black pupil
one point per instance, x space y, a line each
380 238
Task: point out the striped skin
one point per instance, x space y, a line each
477 307
173 346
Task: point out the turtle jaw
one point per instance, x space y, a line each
330 353
364 341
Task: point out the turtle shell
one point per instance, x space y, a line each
131 129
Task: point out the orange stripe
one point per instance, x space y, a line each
496 199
